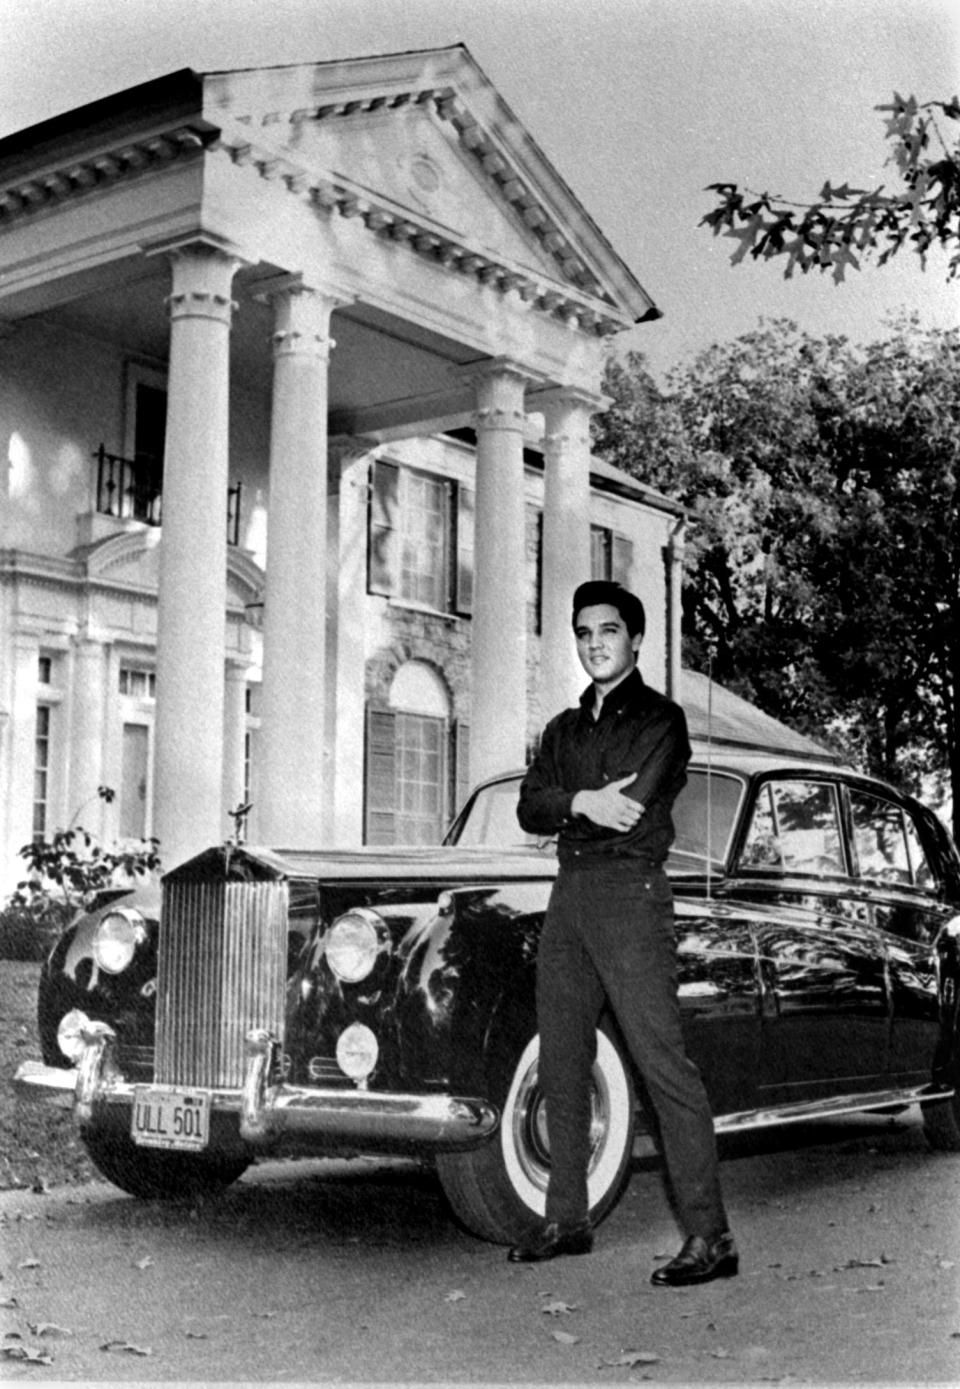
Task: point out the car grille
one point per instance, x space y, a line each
222 969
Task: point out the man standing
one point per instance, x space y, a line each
605 780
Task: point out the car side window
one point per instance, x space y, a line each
888 847
795 828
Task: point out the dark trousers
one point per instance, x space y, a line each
609 934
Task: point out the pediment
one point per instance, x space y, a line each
131 559
408 160
421 145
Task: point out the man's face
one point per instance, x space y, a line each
606 649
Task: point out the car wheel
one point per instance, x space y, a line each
153 1175
498 1191
941 1124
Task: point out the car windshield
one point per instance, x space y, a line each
490 820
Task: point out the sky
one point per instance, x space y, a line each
639 104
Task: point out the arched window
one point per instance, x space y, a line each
414 750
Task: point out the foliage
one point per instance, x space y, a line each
822 574
72 866
63 873
844 223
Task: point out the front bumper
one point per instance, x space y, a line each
268 1114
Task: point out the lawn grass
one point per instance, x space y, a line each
39 1147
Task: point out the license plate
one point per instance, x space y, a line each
168 1118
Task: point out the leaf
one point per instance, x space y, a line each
29 1263
9 1303
48 1328
457 1295
631 1358
558 1308
33 1355
565 1338
125 1347
145 1262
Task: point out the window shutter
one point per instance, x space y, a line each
463 543
599 553
621 559
380 777
382 535
460 783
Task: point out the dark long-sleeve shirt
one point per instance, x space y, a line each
638 731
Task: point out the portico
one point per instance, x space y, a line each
364 251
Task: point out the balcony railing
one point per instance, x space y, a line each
128 490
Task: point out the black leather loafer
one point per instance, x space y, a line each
552 1239
698 1261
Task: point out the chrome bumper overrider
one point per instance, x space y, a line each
266 1112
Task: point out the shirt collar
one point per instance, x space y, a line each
629 688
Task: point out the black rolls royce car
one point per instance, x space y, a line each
382 1000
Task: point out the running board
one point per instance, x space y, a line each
807 1111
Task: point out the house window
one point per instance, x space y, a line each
611 555
44 769
145 410
420 540
138 684
137 688
41 770
416 762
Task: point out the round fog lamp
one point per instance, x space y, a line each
357 1051
352 944
116 938
69 1038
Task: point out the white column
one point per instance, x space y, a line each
566 537
234 741
193 557
87 730
498 716
347 576
293 768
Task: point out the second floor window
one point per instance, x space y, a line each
420 538
611 555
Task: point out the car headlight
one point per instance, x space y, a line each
116 938
70 1033
357 1051
353 943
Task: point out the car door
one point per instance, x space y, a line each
899 886
821 959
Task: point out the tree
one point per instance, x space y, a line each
823 565
844 223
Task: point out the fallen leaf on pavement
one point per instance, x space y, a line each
145 1262
48 1328
10 1302
29 1263
33 1355
125 1346
456 1296
630 1358
558 1308
565 1338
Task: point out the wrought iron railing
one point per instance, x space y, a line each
128 490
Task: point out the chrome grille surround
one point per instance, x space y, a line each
221 972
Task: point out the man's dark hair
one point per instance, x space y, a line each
627 604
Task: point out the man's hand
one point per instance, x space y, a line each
609 807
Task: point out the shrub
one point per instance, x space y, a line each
63 873
29 934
